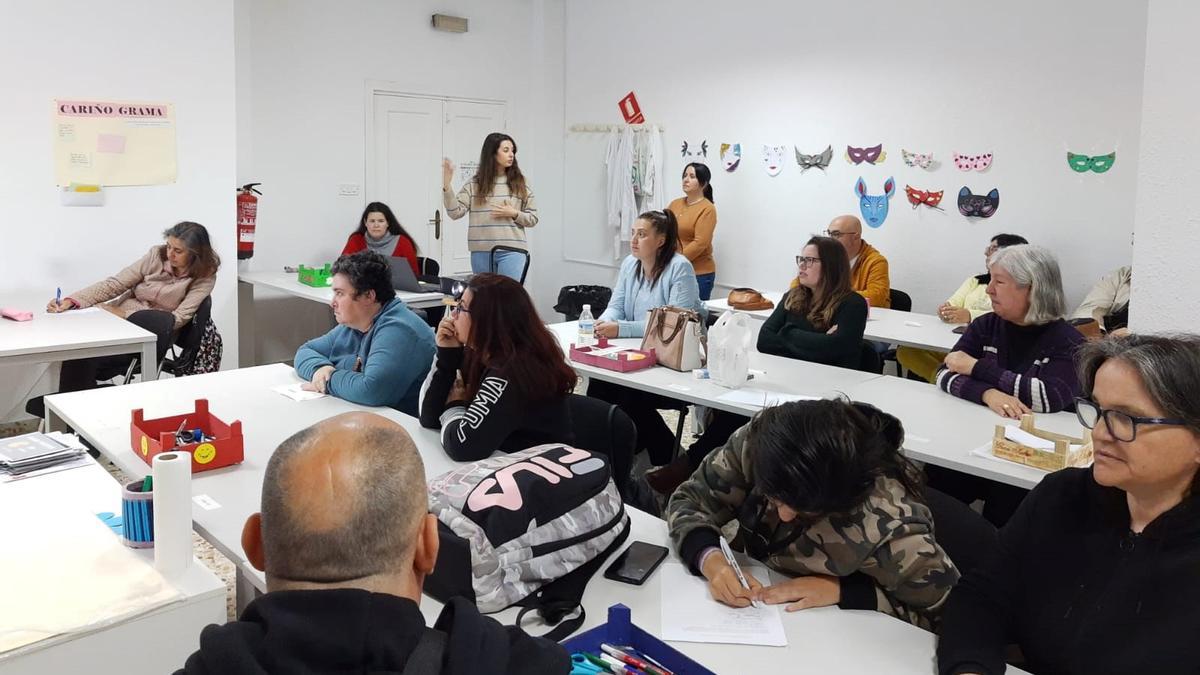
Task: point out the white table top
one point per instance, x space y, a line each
287 282
77 329
830 640
780 374
923 331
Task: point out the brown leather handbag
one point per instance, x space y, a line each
748 300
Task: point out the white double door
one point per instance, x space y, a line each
412 134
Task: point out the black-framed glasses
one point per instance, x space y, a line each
459 308
1122 426
806 261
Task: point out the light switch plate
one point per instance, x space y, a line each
348 190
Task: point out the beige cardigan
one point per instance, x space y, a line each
149 284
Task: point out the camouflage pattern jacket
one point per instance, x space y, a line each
883 550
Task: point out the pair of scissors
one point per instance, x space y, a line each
580 665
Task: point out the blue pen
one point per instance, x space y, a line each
58 296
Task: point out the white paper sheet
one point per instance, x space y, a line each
689 614
294 392
760 398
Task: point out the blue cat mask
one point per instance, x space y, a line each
874 208
978 206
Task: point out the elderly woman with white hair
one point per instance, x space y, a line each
1019 358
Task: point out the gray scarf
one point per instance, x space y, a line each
384 247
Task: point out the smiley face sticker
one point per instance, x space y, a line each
145 445
204 453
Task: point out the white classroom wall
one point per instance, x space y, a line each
304 68
132 50
1166 275
1025 80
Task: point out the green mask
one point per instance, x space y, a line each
1099 163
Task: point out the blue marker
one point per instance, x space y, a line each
58 296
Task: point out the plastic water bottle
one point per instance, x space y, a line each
587 328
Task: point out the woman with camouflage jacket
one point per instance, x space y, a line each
821 493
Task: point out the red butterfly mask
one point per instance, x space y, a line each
927 197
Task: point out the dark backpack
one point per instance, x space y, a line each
529 528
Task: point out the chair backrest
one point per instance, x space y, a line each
602 427
429 269
510 249
188 339
901 301
967 537
869 360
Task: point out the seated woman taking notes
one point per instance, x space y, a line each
820 492
159 292
1098 570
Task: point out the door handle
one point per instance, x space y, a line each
436 221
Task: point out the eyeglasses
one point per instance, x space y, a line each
1122 426
459 308
805 261
837 234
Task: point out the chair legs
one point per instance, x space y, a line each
679 431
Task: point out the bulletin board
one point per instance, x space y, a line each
113 142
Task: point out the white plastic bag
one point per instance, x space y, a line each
729 349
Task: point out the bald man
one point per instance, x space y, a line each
868 267
346 541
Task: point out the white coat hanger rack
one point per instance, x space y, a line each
605 128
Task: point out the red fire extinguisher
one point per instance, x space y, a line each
247 213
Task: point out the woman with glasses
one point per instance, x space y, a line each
821 319
500 380
820 493
1099 570
968 303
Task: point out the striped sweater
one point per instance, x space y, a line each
484 231
1045 380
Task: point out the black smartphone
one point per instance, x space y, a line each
636 563
959 329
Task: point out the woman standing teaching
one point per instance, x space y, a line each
697 219
500 204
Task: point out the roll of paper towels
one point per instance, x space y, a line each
172 512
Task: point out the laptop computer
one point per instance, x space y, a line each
403 278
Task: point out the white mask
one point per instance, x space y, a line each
773 159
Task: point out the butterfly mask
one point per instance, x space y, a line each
820 161
927 197
773 159
1098 164
872 155
874 208
973 162
731 155
978 206
692 151
917 159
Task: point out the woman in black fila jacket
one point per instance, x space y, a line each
500 381
1099 570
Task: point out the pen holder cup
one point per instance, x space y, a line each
222 444
137 512
620 631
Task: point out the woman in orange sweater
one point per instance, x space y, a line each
380 231
697 219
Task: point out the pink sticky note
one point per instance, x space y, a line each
110 143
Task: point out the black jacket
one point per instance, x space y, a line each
353 631
1078 591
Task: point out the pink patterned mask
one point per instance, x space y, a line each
972 162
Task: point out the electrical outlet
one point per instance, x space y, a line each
348 190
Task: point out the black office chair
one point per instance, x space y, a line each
511 249
602 427
868 359
181 355
429 270
901 302
967 537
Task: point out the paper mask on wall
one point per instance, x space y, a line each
874 207
1083 163
978 206
973 162
820 161
927 197
692 151
917 159
872 155
773 159
731 155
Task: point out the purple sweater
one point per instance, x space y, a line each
1045 380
